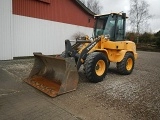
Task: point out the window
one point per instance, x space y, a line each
120 29
110 25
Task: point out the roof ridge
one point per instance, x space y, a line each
85 8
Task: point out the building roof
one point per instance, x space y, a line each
85 8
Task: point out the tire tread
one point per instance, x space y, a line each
88 67
121 66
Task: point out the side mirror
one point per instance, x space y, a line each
123 15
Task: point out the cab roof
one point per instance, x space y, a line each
109 14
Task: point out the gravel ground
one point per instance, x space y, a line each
117 97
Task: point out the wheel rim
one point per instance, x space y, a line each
129 64
100 67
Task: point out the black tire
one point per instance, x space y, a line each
109 64
96 66
125 67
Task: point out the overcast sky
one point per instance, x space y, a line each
118 6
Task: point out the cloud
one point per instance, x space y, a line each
114 6
118 6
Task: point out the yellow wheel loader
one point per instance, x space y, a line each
57 75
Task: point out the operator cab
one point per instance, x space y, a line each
111 25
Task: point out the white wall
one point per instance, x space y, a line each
37 35
5 29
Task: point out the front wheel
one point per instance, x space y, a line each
96 66
125 67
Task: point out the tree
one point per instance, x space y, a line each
146 37
138 15
130 36
157 36
78 35
93 5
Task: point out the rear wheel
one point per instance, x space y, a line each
125 67
96 66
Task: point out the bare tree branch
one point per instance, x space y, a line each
93 5
83 1
139 15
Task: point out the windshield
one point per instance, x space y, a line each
105 25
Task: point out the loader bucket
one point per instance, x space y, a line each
53 75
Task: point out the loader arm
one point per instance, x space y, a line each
79 58
70 50
85 51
